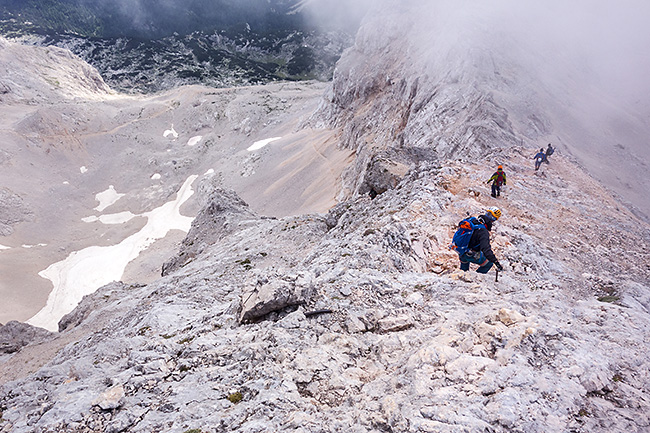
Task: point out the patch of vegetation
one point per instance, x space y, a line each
583 412
184 368
235 397
186 340
193 430
246 263
369 232
609 299
143 330
168 336
617 378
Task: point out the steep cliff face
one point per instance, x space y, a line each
440 80
405 91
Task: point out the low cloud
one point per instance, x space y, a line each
604 42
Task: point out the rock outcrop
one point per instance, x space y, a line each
16 335
37 75
220 216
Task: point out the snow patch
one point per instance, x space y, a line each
171 132
2 247
33 246
194 140
107 198
260 144
156 176
66 182
84 271
83 169
115 218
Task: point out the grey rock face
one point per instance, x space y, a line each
15 335
12 210
275 292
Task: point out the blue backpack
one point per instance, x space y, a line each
460 241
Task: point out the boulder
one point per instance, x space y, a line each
16 335
274 293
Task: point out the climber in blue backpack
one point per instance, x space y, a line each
472 241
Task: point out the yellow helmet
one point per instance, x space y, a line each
495 212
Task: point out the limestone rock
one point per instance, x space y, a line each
275 292
15 335
396 323
222 212
112 398
509 317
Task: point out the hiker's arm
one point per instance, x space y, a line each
486 248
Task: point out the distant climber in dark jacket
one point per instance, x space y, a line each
497 179
480 250
549 151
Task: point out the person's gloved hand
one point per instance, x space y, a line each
498 265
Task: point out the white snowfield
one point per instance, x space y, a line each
115 218
2 247
84 271
260 144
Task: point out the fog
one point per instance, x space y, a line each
336 14
604 42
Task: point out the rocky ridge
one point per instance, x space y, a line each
358 319
368 323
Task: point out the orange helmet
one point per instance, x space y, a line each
500 167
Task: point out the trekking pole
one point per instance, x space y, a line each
496 278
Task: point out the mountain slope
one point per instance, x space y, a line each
359 319
148 46
69 141
557 341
